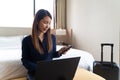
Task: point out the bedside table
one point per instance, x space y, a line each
62 43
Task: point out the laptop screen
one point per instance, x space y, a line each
61 69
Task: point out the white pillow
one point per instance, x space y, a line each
9 42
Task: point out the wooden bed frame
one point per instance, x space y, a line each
79 75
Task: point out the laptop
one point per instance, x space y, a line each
60 69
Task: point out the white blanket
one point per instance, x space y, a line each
86 60
11 65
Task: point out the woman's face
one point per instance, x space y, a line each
44 24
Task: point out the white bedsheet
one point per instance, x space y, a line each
86 60
11 66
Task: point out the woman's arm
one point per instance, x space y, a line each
55 53
29 65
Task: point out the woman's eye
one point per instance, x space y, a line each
45 22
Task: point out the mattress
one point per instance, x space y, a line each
11 65
86 60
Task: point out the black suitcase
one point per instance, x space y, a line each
106 69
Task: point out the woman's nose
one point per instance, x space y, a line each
48 25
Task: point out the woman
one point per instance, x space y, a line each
40 45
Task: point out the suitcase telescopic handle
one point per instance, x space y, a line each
107 44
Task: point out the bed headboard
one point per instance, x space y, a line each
14 31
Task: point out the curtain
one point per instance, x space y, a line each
60 14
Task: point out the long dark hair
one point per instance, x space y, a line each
36 31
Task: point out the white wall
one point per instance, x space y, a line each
94 22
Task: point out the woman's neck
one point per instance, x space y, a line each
41 36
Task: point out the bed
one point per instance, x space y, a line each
10 53
86 60
10 58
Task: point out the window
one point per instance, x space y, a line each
16 13
20 13
45 4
